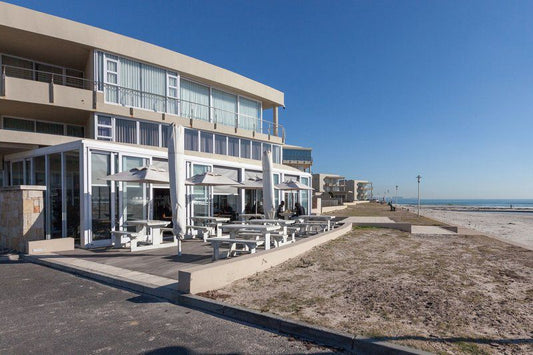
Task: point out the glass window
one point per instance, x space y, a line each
276 191
200 193
49 128
47 73
206 142
245 148
104 128
165 131
75 131
276 154
17 173
100 196
194 100
38 171
224 107
149 134
17 124
125 131
172 93
220 144
134 196
17 67
27 176
191 140
130 82
256 150
233 146
74 78
154 88
55 188
249 114
72 190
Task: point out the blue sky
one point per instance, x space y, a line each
381 90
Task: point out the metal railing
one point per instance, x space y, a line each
149 101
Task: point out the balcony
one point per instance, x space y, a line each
28 85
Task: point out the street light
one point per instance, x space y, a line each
396 194
418 178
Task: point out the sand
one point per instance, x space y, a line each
515 227
445 294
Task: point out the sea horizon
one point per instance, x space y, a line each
502 203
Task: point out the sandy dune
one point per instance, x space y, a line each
516 227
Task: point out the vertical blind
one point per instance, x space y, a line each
149 134
125 131
224 107
194 100
249 114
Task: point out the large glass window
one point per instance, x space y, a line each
224 107
206 142
17 173
72 190
49 128
100 196
256 150
154 88
233 146
27 173
245 148
172 93
55 189
125 131
220 144
134 195
191 140
18 124
149 134
276 154
226 198
305 195
194 100
104 128
249 114
200 193
75 131
165 129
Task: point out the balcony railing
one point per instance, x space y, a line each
148 101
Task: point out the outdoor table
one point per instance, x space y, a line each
233 230
206 221
141 226
248 216
318 218
286 214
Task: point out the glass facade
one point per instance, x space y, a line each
72 191
100 196
200 194
297 154
29 125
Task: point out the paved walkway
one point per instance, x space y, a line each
430 230
46 311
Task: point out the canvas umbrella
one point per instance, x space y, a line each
176 170
211 179
268 185
143 174
293 185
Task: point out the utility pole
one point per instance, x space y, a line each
418 178
396 194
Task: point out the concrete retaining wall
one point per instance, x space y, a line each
216 275
406 227
50 246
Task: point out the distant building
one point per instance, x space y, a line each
297 157
332 186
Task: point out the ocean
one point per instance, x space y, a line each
501 203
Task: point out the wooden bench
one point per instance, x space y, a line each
248 244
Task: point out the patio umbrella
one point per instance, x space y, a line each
176 169
268 186
211 179
142 174
292 185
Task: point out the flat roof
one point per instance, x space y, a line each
53 27
295 147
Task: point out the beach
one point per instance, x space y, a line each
515 227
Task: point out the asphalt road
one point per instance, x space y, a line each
46 311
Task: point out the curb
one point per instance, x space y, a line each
316 334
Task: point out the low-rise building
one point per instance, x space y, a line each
297 157
332 186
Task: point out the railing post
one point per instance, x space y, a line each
3 82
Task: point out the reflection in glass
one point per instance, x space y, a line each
200 193
100 195
72 186
54 188
134 197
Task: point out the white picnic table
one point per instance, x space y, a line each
263 230
248 216
141 234
208 221
317 218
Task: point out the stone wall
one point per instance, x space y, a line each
21 216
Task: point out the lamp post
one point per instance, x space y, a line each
418 178
396 194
